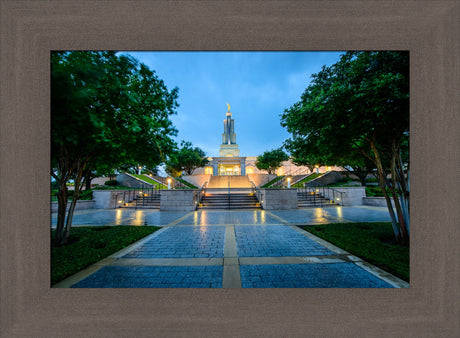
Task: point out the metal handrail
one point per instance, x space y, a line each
257 192
321 191
280 182
201 192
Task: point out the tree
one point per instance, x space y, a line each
271 160
107 110
360 106
187 158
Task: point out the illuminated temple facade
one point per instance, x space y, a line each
229 162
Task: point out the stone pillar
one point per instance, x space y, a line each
243 167
215 169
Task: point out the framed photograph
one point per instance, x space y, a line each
32 30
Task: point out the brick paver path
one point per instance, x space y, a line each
231 249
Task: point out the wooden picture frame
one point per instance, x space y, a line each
31 29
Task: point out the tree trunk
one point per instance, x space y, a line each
402 225
80 168
382 185
62 206
87 180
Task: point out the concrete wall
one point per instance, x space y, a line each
279 199
128 180
260 179
197 180
327 178
99 180
377 201
81 205
346 196
178 200
107 199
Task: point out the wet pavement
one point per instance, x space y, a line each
231 249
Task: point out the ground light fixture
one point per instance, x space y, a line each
169 183
289 182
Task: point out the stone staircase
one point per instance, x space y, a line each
236 200
144 202
312 199
237 181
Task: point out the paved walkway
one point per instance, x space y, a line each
231 249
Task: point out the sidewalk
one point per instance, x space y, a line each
231 249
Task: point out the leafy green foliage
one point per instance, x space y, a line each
375 191
89 245
85 195
373 242
271 160
114 187
107 110
111 182
356 113
186 158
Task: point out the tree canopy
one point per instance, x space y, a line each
187 158
357 112
106 110
271 160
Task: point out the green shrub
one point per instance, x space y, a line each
375 191
85 195
111 182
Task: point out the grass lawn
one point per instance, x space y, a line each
89 245
306 179
276 179
373 242
190 185
149 180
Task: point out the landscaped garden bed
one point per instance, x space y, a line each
89 245
373 242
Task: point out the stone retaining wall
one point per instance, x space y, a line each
179 200
107 199
328 178
128 180
279 199
377 201
260 179
197 180
346 196
81 205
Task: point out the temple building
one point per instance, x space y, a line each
230 163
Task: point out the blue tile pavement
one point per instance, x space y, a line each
154 277
275 241
183 242
333 275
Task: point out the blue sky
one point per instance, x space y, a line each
257 85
